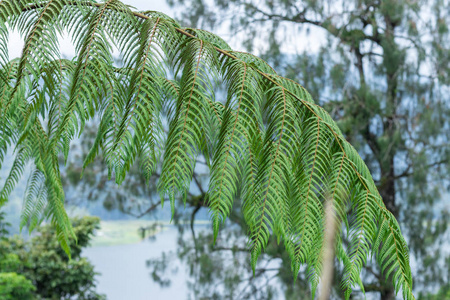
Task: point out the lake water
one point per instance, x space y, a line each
125 275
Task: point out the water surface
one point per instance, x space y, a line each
125 275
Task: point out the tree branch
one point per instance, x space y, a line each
407 173
148 210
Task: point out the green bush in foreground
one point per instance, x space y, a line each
15 286
40 269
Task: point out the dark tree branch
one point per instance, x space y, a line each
407 173
148 210
234 249
301 18
200 188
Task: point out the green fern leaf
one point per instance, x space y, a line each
268 143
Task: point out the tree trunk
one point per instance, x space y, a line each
387 188
388 293
387 191
392 62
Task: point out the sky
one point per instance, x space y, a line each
15 43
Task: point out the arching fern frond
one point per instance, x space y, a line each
239 120
35 200
268 143
186 137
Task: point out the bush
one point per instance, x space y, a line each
15 286
40 267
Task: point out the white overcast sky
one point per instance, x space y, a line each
295 45
15 43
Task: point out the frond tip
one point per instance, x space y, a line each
269 143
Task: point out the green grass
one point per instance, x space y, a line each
127 231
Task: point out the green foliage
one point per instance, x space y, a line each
15 286
40 268
443 293
287 150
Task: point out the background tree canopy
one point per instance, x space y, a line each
267 132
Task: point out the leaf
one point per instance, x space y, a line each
267 142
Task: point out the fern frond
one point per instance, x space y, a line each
34 202
187 128
271 202
209 37
15 173
91 76
238 120
142 104
393 254
269 143
9 11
